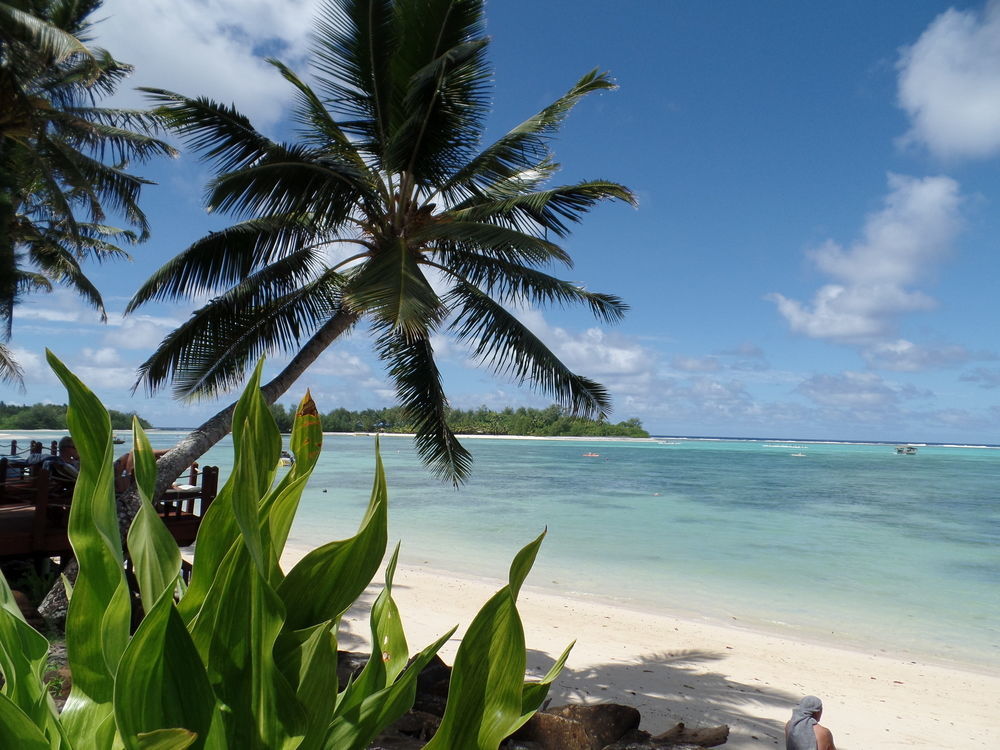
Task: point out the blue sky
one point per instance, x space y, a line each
814 253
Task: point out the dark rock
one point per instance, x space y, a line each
432 687
550 732
417 724
604 723
349 663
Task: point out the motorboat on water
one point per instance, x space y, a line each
906 450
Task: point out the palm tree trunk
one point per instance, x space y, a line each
189 449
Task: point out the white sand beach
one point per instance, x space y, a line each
704 674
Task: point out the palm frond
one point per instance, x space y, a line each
49 40
10 370
223 135
419 391
228 257
391 288
211 351
290 180
541 211
505 344
511 283
494 240
526 145
352 49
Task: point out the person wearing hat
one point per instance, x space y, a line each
803 731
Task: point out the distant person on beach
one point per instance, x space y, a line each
803 731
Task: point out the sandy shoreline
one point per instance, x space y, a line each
674 669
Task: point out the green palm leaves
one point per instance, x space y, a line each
387 209
62 158
245 656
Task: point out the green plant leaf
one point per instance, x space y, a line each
354 728
389 650
308 659
153 549
166 739
23 656
17 730
97 625
328 579
161 682
485 701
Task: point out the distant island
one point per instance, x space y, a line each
53 417
551 422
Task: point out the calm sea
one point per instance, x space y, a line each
846 543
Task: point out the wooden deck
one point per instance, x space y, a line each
34 512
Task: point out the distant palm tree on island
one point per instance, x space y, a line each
443 235
62 157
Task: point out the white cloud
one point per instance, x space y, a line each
104 357
984 377
215 48
143 332
695 364
341 364
856 391
900 243
949 84
905 356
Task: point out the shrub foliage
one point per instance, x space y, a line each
245 656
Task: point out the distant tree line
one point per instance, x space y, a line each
551 422
53 417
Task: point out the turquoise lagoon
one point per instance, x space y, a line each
847 543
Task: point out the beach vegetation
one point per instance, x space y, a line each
244 655
63 158
53 417
387 212
554 421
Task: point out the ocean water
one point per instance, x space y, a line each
847 543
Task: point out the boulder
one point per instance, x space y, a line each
30 614
577 727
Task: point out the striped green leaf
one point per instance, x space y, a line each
154 552
97 625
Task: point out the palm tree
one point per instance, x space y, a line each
55 183
443 234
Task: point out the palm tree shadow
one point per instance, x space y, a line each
670 687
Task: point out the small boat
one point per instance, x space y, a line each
591 455
286 459
799 455
118 440
906 450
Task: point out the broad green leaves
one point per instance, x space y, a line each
244 657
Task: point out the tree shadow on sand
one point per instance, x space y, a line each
675 686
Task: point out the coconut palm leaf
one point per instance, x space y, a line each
505 344
419 391
210 352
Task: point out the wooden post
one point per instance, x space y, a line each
40 522
13 447
209 487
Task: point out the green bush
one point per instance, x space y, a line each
245 656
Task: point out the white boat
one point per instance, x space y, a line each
906 450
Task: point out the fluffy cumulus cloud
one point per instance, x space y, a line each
949 84
213 49
872 278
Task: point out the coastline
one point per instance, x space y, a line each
701 672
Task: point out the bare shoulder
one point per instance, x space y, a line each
824 738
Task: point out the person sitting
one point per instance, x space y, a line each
803 731
125 470
64 467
